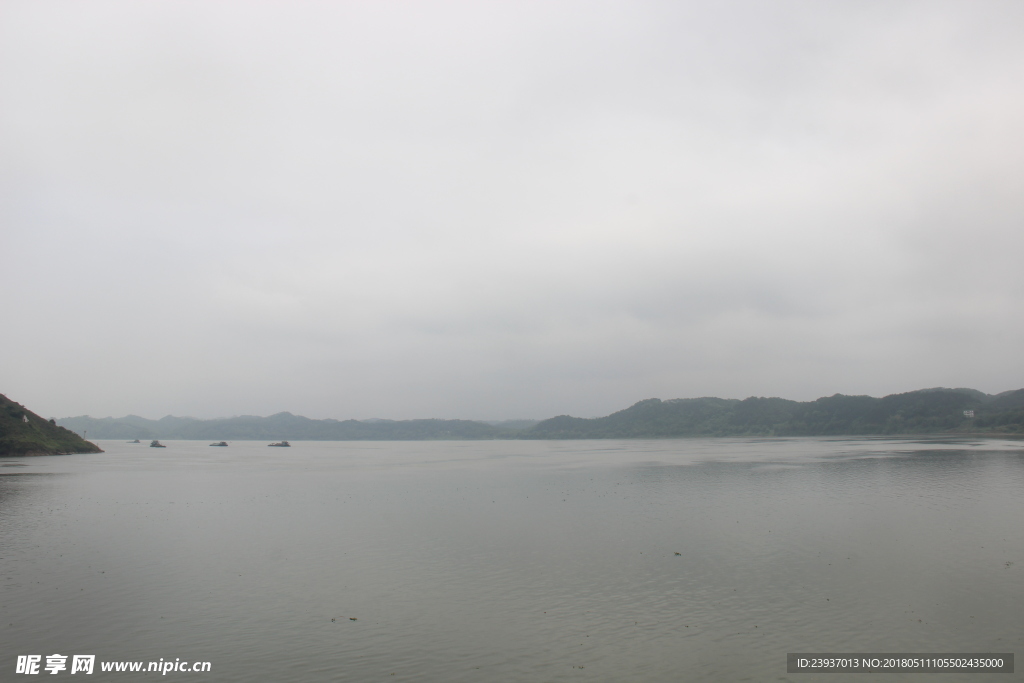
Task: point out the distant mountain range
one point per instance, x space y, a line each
282 426
927 411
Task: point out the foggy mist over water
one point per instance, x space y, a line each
498 210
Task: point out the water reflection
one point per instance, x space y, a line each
649 560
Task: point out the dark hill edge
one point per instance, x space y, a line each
927 411
22 432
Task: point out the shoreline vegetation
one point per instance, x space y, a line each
22 432
938 411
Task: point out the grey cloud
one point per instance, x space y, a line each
504 209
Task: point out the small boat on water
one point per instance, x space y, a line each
136 441
282 444
156 444
220 443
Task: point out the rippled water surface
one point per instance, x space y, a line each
695 560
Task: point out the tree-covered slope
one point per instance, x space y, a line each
22 432
928 411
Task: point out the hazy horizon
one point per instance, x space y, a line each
376 418
506 210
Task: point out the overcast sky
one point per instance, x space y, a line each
494 210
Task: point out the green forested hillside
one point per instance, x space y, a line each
22 432
928 411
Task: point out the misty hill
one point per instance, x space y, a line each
927 411
22 432
282 426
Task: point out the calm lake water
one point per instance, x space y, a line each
669 560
